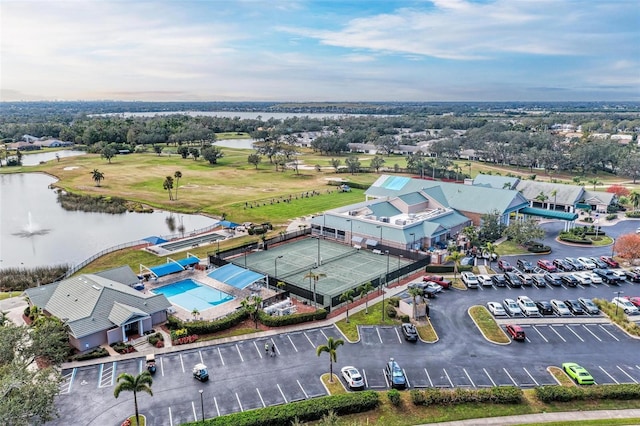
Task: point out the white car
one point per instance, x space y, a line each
620 274
469 279
628 307
512 307
496 309
484 280
560 308
587 263
528 307
583 278
352 376
595 278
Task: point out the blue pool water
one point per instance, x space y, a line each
190 295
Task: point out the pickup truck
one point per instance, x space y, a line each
438 280
607 275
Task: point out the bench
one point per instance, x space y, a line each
357 247
376 251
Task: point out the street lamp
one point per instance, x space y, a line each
318 261
386 277
202 404
275 268
218 250
399 256
617 293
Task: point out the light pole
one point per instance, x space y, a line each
202 404
218 249
275 269
413 235
386 277
350 233
399 256
245 256
318 261
617 293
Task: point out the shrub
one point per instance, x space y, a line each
95 353
495 395
277 321
573 393
633 214
391 311
394 397
404 318
394 301
611 216
208 327
539 249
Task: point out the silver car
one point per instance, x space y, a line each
512 308
496 309
352 376
560 308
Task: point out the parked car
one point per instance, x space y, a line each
588 306
469 279
525 266
395 375
499 280
610 261
513 280
632 276
352 376
516 332
438 279
201 372
504 266
511 307
595 278
432 287
547 265
409 332
579 374
584 278
574 306
527 306
496 309
538 280
628 307
560 308
484 280
607 275
428 291
525 279
588 263
552 279
622 276
635 300
562 265
544 307
569 280
599 262
577 266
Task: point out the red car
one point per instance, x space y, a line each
438 280
610 261
504 266
634 299
515 331
547 265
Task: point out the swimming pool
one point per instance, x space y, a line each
190 295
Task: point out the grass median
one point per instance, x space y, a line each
488 325
374 317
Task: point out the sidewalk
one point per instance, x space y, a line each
572 416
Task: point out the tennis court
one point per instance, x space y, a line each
338 267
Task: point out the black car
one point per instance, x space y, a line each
499 280
599 263
569 280
575 264
633 276
395 375
574 306
552 279
513 280
409 332
562 265
607 275
538 280
544 307
525 266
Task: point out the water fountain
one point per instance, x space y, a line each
31 229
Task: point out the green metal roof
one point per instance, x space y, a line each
549 214
384 209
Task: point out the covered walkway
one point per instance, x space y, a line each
568 217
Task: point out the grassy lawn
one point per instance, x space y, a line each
601 240
374 317
509 248
336 387
427 332
561 376
604 422
8 295
485 322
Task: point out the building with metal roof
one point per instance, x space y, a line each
99 310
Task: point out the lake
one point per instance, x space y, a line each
36 231
35 159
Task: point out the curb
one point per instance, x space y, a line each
480 329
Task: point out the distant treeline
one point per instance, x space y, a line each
18 279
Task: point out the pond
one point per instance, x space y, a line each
36 231
35 159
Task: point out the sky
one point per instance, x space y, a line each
314 51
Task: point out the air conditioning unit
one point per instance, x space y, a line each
353 213
400 222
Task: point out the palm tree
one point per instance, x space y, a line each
554 194
414 292
347 296
140 383
468 164
315 277
492 250
364 290
634 197
168 185
542 197
594 182
195 313
331 348
97 176
177 175
252 306
455 257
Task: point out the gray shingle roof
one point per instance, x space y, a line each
121 313
121 274
493 181
565 194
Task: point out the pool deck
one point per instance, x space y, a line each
201 277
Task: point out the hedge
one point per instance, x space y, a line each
495 395
279 321
304 411
96 353
575 240
208 327
574 393
447 269
350 184
539 249
633 214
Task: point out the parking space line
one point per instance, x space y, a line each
255 344
312 345
239 403
195 415
261 400
610 376
469 377
407 378
239 353
385 378
100 374
139 366
552 329
276 347
571 330
201 359
514 382
591 332
541 335
364 376
170 417
487 373
607 331
325 336
428 377
161 366
215 402
292 344
627 374
529 374
379 337
220 355
446 374
282 393
398 334
303 391
181 363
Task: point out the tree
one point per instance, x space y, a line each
365 289
315 277
157 149
594 182
252 305
542 197
627 246
108 152
177 175
212 154
335 163
254 159
195 153
630 166
194 313
455 257
491 249
376 163
183 151
347 296
353 164
168 186
554 194
129 383
491 228
386 144
97 176
524 231
331 348
634 198
415 292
